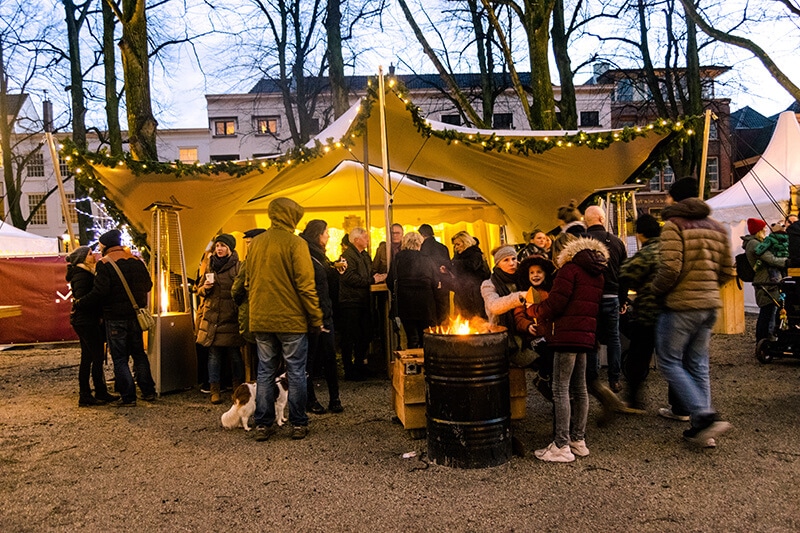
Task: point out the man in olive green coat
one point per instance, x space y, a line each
284 309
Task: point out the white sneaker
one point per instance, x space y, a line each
579 448
666 412
554 454
711 443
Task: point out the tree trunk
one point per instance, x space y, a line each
567 104
13 191
109 67
483 41
136 67
333 23
543 103
83 205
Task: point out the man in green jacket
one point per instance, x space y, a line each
695 260
284 309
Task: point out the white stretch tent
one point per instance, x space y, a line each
764 191
15 242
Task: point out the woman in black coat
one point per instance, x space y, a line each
87 323
413 281
468 269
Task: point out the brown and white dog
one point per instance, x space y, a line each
244 404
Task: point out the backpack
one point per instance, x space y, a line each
744 270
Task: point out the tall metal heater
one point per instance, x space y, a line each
171 342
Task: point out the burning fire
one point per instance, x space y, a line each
462 326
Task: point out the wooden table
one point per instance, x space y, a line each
7 311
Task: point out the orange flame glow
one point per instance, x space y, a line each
461 326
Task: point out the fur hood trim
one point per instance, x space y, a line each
576 245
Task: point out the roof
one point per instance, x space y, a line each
15 102
614 74
748 118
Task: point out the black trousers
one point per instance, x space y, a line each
92 338
636 365
322 356
356 336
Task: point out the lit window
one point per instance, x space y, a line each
503 121
453 120
36 165
73 209
39 217
712 173
590 119
225 127
188 155
266 125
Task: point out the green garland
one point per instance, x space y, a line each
83 163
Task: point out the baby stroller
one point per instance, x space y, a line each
784 339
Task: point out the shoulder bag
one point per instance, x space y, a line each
143 316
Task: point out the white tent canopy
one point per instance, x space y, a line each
764 191
15 242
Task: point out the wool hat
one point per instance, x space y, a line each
754 225
249 234
503 252
683 188
78 255
111 238
227 239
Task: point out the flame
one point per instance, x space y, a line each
461 326
164 300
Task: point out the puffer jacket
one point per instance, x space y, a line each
762 264
219 315
108 290
81 282
695 258
574 301
637 273
280 275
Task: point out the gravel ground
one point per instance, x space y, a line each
169 466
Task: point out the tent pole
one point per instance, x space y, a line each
702 186
51 143
385 164
367 206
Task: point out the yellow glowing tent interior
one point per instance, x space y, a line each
525 174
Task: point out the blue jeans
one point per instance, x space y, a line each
124 341
682 340
216 355
607 330
294 349
570 398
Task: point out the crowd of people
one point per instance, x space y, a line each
559 296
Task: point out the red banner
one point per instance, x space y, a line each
39 286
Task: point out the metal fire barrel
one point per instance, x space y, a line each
467 400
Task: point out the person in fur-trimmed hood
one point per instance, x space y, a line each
572 305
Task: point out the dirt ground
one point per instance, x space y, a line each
169 466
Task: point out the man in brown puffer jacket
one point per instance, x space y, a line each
695 260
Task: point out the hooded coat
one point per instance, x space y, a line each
574 301
219 316
280 275
695 258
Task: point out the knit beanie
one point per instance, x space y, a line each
754 225
503 252
111 238
78 255
227 239
683 188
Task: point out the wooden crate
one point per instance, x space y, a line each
518 391
408 388
730 319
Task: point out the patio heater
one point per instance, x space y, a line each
170 344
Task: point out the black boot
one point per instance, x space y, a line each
87 400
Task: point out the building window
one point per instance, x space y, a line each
453 120
225 157
668 177
712 173
39 217
590 119
712 131
73 209
36 165
503 121
655 183
266 125
624 92
224 127
188 155
63 167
